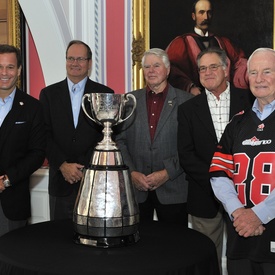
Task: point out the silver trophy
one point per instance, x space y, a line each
106 212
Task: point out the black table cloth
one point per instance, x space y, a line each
48 249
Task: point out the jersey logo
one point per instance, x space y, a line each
254 141
260 127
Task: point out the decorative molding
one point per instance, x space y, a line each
13 23
140 42
96 38
14 28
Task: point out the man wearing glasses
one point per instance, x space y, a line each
202 121
71 137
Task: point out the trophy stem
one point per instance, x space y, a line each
107 143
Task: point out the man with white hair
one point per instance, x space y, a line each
148 143
242 174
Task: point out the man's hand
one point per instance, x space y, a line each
156 179
149 182
140 181
2 187
247 223
72 172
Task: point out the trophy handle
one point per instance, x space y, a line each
127 96
84 109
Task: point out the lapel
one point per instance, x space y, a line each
237 101
141 112
13 117
203 114
65 100
89 88
169 105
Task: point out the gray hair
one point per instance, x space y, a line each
259 50
158 52
220 52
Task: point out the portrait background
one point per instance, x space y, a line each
248 23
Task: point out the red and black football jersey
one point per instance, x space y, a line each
246 154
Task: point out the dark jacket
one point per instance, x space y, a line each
22 152
64 141
197 143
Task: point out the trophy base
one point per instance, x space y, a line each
106 242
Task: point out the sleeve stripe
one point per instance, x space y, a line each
223 156
222 162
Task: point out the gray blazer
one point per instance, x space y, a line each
142 155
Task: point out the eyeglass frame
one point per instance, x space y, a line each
79 60
212 68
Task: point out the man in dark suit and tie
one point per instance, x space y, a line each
22 142
71 136
148 142
202 121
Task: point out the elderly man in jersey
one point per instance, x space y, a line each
243 174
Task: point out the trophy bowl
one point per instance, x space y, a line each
107 110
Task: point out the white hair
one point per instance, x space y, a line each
158 52
259 50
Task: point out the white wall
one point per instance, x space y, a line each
53 23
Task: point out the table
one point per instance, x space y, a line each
48 249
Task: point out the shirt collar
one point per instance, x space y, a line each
81 83
224 93
10 96
200 32
270 106
164 92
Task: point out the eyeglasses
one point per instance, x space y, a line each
78 59
212 68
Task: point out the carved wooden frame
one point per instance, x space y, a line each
140 42
13 20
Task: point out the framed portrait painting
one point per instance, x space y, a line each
249 24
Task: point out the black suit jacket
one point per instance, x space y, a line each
64 141
22 151
197 143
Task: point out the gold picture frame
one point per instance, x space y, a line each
13 20
140 42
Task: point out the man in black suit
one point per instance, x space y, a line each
22 142
202 120
71 136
